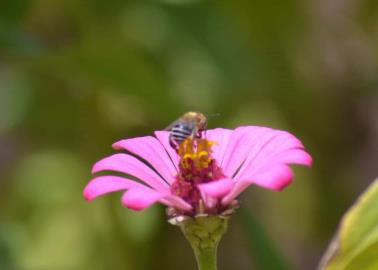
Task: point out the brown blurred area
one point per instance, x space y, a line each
76 76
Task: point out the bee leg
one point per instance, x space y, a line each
195 134
199 134
173 145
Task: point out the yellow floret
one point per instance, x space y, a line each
195 151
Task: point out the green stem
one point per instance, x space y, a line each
206 258
204 234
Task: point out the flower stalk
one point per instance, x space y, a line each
204 234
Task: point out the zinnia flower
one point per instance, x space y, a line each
201 179
205 175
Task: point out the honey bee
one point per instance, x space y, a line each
189 125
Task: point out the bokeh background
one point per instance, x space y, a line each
76 76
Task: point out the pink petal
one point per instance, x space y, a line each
140 198
218 188
221 136
105 184
210 192
163 137
130 165
176 202
294 156
291 156
244 142
276 178
151 150
271 148
260 156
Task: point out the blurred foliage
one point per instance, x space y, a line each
266 254
77 75
356 244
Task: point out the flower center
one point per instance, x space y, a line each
196 167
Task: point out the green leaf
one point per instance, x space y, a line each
355 245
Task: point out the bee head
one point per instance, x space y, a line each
198 118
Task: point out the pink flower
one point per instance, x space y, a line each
204 175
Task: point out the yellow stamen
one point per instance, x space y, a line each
195 152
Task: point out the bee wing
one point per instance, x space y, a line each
172 124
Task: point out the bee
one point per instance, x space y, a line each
189 125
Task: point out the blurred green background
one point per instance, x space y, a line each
76 76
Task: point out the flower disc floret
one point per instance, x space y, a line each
196 167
